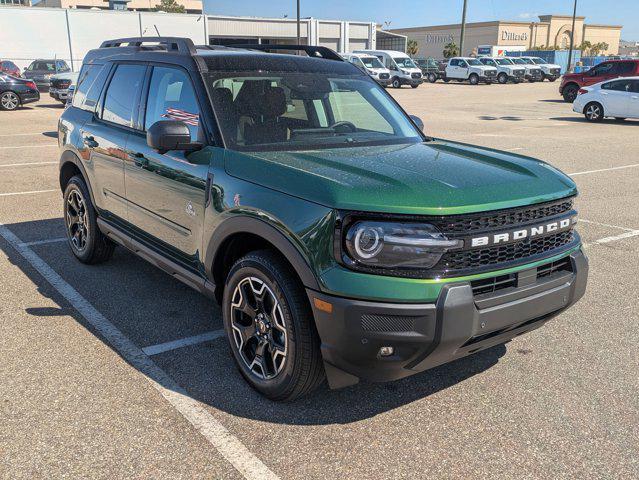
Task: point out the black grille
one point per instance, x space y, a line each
384 76
502 218
519 73
416 75
492 284
547 270
387 323
555 71
471 259
60 83
490 73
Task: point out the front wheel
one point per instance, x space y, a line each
594 112
396 83
473 79
432 78
414 86
270 327
9 101
552 79
570 93
502 78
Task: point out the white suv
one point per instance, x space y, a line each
550 71
506 69
471 69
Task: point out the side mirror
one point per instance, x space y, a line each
417 121
167 135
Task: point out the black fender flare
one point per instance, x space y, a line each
255 226
69 156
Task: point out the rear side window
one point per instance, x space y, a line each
634 87
618 85
122 94
171 97
88 87
625 68
454 63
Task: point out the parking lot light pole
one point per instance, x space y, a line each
572 36
463 29
298 22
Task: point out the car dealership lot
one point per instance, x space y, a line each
80 396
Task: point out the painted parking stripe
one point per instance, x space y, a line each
25 164
44 242
616 238
21 134
183 342
30 146
606 225
193 411
28 193
634 165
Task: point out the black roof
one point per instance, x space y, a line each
182 52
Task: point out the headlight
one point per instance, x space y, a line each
405 72
396 245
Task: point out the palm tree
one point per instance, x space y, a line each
412 48
451 50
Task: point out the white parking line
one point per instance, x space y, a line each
20 134
25 164
27 193
193 411
630 234
634 165
183 342
30 146
606 225
44 242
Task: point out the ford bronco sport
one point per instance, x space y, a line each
340 241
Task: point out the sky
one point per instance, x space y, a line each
411 13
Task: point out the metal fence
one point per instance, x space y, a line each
558 57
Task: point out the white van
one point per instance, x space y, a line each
402 68
371 65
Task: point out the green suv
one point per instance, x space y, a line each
339 240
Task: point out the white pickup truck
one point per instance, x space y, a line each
550 71
471 69
507 71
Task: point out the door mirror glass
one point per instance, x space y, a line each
417 121
167 135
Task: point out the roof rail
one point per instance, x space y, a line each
311 50
184 46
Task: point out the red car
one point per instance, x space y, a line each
10 68
572 82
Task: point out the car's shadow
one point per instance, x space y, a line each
150 307
581 119
57 105
552 100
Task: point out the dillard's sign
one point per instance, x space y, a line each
439 37
506 35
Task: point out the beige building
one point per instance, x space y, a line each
550 30
191 6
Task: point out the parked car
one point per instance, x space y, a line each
372 66
507 71
572 82
550 71
471 70
59 85
10 68
338 238
432 69
15 92
534 72
617 98
41 71
402 68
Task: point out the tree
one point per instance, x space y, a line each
451 50
169 6
585 47
412 48
597 48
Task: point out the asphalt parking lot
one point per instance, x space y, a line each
118 370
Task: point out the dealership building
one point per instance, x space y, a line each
550 30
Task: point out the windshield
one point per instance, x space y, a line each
488 61
404 62
539 61
504 61
371 62
47 66
303 111
527 61
519 61
474 61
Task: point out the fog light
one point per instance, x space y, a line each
386 351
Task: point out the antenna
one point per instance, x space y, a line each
156 29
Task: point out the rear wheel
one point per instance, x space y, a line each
502 78
570 93
414 86
9 101
473 79
432 78
552 79
594 112
87 242
270 327
396 83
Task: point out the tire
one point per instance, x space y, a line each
502 78
291 363
9 101
414 86
620 119
396 83
87 242
446 80
552 79
432 78
570 93
473 79
594 112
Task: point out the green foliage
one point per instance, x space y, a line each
169 6
451 50
412 48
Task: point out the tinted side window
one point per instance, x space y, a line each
625 68
603 69
617 85
171 97
454 63
86 80
121 95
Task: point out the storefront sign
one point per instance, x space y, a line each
506 35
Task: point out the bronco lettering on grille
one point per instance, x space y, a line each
522 233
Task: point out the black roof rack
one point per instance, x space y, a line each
311 50
181 45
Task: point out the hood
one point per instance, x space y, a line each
430 178
73 76
573 76
483 67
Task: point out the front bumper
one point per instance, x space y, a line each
424 336
59 94
384 82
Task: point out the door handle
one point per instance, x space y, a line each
90 142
